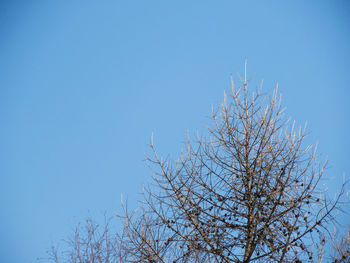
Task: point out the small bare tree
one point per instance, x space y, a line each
90 243
341 247
249 192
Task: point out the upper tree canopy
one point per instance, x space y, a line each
249 191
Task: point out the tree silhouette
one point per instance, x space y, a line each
341 247
249 191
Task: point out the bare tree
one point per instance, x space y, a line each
341 247
90 243
248 192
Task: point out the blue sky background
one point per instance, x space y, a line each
84 83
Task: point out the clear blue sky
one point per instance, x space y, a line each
84 83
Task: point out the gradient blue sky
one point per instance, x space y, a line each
84 83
